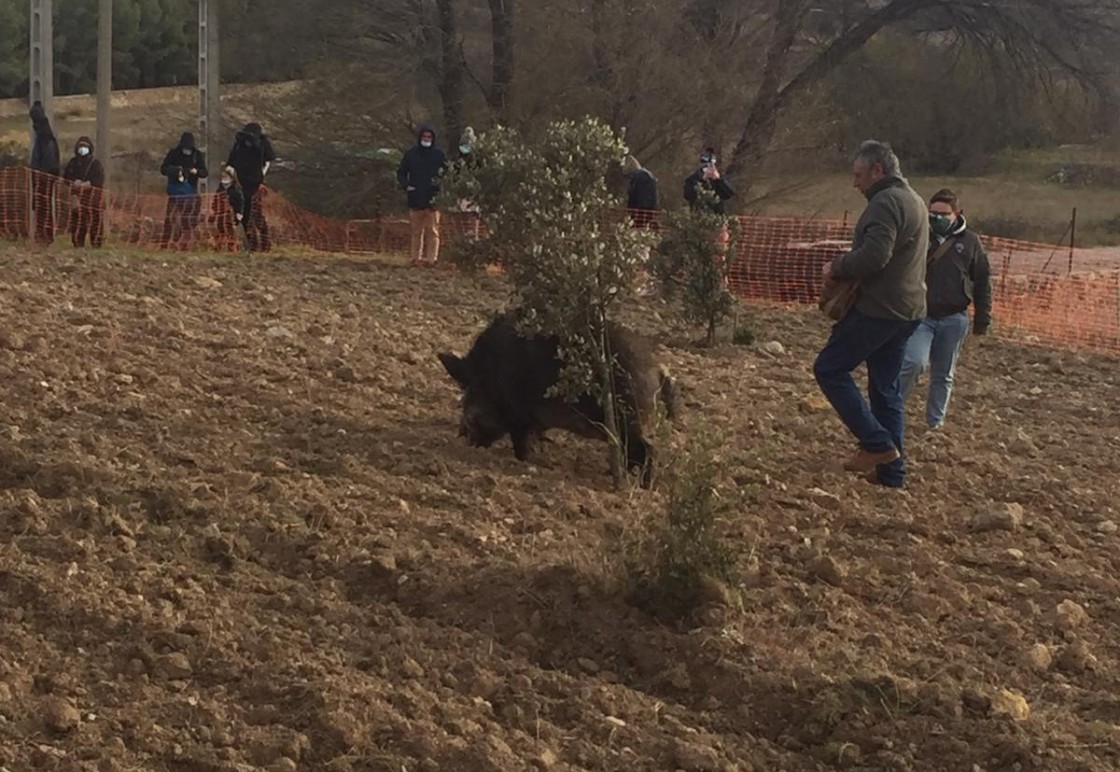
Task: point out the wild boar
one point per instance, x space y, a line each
506 376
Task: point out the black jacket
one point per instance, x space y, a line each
719 187
85 168
251 151
419 170
44 153
184 156
961 277
236 198
642 191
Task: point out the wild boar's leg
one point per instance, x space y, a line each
522 438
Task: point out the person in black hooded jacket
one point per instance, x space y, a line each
86 176
707 178
46 164
418 174
250 157
183 166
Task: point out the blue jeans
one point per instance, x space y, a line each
935 345
880 343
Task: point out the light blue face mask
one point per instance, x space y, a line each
465 149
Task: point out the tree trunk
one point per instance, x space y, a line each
451 71
604 71
500 97
605 372
758 134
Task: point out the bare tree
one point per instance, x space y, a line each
1034 34
500 94
450 71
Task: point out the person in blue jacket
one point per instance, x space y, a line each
183 166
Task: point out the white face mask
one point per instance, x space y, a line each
465 149
83 151
226 182
187 151
425 143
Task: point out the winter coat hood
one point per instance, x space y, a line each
39 118
250 135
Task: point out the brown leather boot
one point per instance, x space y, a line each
865 461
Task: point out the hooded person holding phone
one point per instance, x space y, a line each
708 178
183 166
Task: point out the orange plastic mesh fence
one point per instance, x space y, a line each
1051 295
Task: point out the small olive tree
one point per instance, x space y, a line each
563 240
694 259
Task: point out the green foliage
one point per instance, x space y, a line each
557 231
691 260
13 46
743 335
561 238
154 44
687 563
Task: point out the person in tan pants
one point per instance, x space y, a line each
425 235
418 174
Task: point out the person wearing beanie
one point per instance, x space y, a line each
183 166
231 219
46 165
251 156
418 175
957 276
466 145
471 215
87 195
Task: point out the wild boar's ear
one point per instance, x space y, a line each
456 367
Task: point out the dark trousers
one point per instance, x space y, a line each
88 219
877 422
42 204
182 213
256 226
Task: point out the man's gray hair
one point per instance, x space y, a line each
873 152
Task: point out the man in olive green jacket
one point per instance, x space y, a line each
887 260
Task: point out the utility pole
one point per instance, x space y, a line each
209 85
104 86
41 71
42 55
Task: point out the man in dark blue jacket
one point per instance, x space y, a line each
46 164
418 175
183 166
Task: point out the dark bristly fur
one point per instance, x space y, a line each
506 376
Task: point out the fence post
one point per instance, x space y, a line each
1072 237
